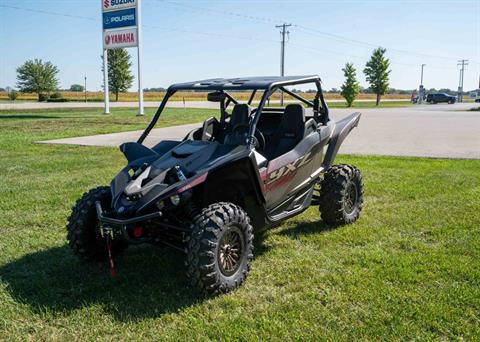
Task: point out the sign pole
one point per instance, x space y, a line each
105 82
139 58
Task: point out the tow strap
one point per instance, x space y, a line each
113 271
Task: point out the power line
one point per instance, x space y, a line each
364 43
338 53
229 13
306 29
49 12
173 29
219 35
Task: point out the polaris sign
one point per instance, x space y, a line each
117 19
112 5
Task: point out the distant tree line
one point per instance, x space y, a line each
36 76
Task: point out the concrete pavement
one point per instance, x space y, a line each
147 104
443 131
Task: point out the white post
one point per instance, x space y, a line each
139 58
105 82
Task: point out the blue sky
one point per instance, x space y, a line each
187 40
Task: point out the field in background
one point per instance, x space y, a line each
180 96
408 269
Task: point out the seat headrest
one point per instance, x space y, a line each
240 114
293 116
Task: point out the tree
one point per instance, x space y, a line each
350 88
377 72
77 87
34 76
120 77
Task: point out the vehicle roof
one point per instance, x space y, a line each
244 83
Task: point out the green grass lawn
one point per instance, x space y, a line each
408 269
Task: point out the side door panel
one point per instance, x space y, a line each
289 170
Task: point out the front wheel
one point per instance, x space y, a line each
220 249
341 195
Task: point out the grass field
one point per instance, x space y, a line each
409 269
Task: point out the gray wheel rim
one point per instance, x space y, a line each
230 251
351 198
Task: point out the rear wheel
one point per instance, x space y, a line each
84 228
220 249
341 195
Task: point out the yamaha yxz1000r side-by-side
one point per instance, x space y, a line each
249 168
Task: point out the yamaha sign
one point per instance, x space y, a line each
116 39
112 5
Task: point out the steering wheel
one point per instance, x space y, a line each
259 138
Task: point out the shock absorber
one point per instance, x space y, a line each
192 211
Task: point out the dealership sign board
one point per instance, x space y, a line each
120 23
122 28
117 19
112 5
115 39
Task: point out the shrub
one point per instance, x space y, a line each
13 95
77 87
57 100
42 97
56 95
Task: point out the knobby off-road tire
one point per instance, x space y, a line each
83 232
341 195
220 249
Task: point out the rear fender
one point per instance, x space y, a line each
341 131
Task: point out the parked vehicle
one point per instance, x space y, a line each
243 171
441 97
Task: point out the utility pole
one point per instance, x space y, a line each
463 63
421 77
283 32
85 89
421 89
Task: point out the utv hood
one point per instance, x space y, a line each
150 176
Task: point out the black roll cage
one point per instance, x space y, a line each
320 108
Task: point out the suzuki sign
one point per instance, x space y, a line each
112 5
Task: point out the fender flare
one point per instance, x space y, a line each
341 131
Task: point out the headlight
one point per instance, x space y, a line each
175 199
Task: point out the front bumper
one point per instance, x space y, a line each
123 222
